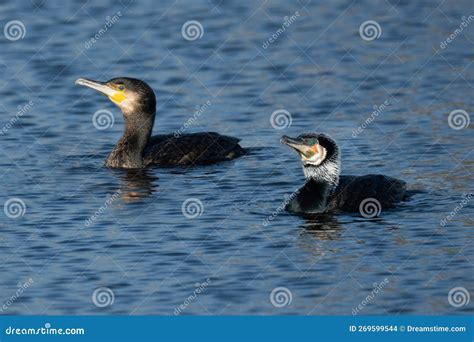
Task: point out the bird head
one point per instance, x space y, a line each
129 94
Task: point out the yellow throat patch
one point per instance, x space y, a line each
118 97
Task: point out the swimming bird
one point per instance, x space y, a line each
325 190
137 148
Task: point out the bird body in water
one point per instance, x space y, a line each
325 190
137 148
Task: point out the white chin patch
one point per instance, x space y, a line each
315 159
125 105
129 104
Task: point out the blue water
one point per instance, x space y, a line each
143 249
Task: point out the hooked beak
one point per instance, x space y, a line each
296 144
96 85
102 87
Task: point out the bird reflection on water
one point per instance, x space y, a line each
322 227
136 184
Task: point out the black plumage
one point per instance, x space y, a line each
191 149
349 194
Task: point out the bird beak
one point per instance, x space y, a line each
297 144
102 87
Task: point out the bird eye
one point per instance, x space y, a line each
121 87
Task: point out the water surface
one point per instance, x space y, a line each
320 70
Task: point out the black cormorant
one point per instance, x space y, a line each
138 149
325 190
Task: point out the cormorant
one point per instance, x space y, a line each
138 149
325 190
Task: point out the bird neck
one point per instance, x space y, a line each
326 173
128 153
